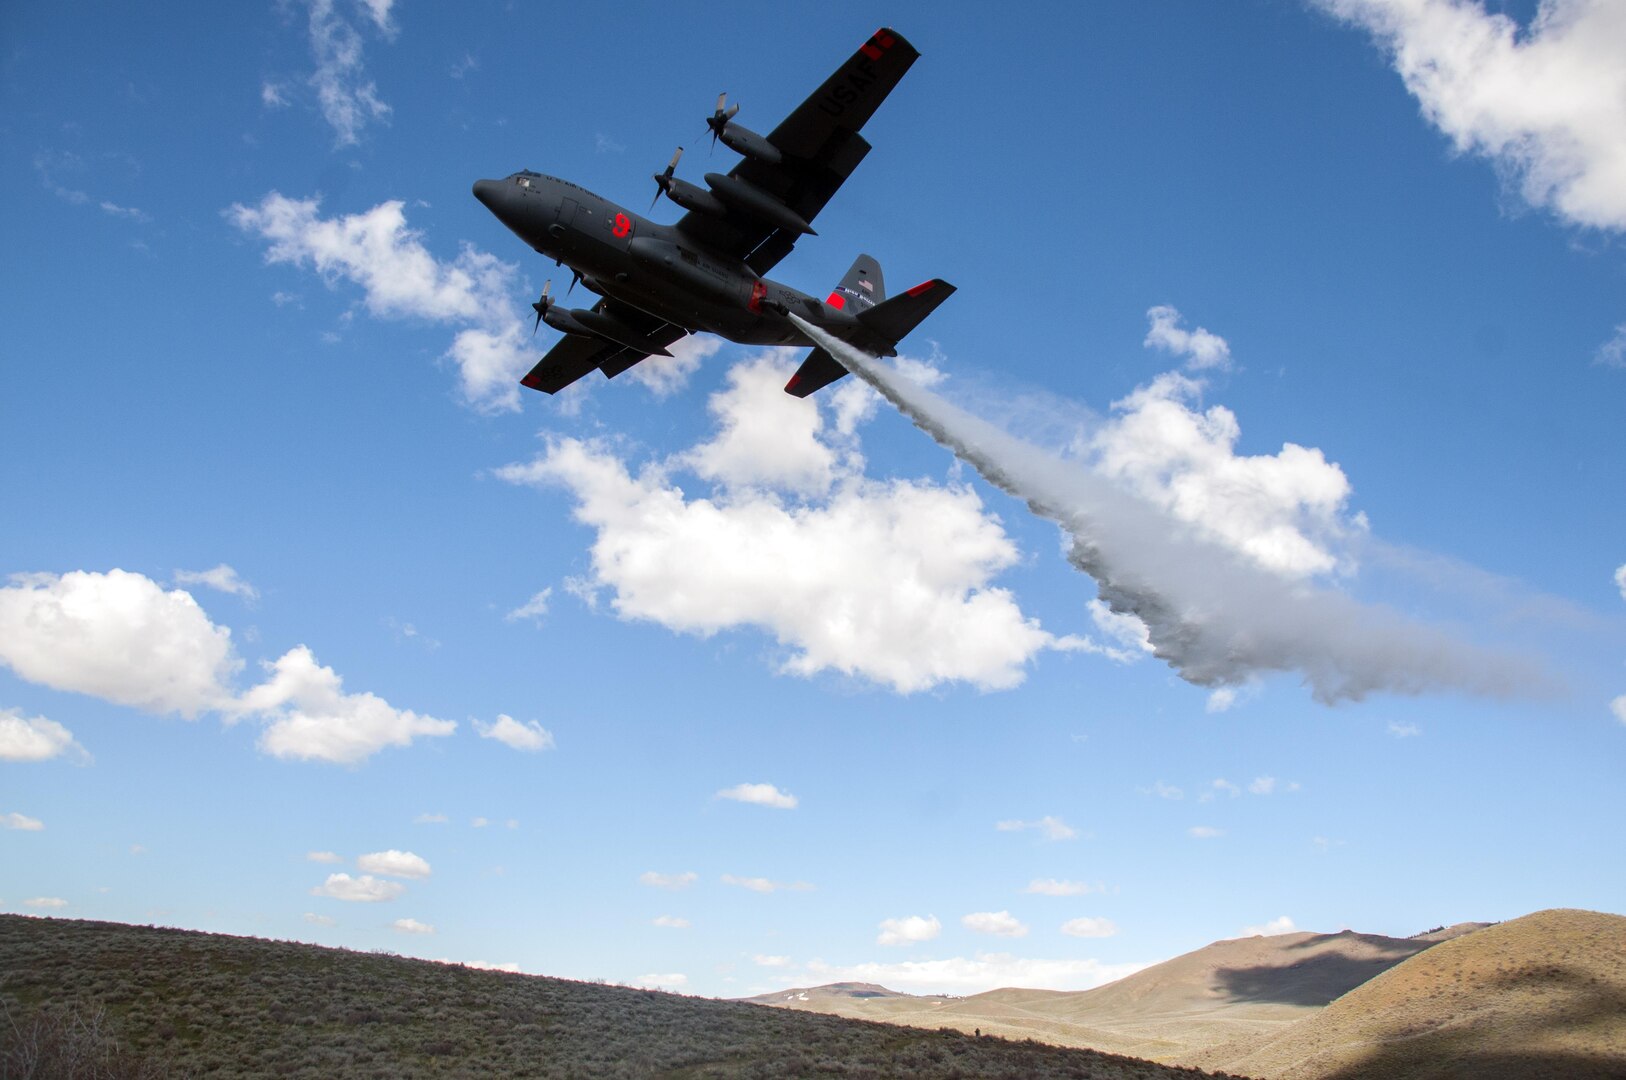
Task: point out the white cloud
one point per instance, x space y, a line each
1087 927
886 581
330 857
412 926
1404 731
668 981
117 636
764 885
1053 828
1612 354
50 903
1546 105
320 920
365 889
479 823
34 738
1164 791
272 96
222 578
1227 787
1285 511
668 881
908 930
348 99
138 849
1281 924
528 735
401 279
533 609
430 819
1618 707
771 961
1620 581
21 822
1221 699
1263 785
312 719
998 923
760 794
972 975
1205 832
670 922
1054 887
666 375
394 864
1200 348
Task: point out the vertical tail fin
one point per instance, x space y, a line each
861 289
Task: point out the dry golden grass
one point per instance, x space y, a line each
137 1002
1542 996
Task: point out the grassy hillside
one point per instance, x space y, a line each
1254 986
178 1003
1537 997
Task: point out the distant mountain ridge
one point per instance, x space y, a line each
1543 996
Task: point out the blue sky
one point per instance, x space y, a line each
678 681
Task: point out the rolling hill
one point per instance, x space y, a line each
137 1002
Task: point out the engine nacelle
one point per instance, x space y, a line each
690 197
757 203
747 142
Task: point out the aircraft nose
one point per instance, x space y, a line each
486 191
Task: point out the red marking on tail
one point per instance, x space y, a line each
837 301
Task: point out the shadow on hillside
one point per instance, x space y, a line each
1572 1000
1315 980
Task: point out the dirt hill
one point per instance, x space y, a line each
140 1002
1542 996
1254 986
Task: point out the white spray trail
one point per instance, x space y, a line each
1215 617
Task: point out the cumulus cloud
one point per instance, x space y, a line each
1055 887
348 98
1269 785
760 794
1612 353
1052 828
1164 791
21 822
765 885
399 278
312 719
658 880
117 636
771 961
1618 707
1620 581
365 889
998 923
970 975
890 582
1200 348
670 922
1224 785
221 578
1205 832
320 920
47 903
1404 731
908 930
1546 104
34 738
1087 927
533 609
1224 599
329 857
393 863
666 375
1281 924
412 926
430 819
529 735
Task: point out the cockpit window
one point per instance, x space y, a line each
524 181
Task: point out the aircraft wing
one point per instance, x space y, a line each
821 147
575 355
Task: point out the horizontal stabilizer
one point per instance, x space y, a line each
893 319
819 370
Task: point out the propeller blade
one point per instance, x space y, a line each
676 157
722 101
729 115
575 276
541 306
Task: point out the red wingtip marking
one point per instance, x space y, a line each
883 39
790 387
870 51
924 286
837 301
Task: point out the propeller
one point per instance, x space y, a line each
719 119
541 306
663 180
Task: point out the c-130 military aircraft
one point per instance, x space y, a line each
661 282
